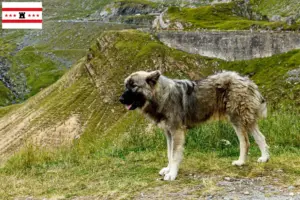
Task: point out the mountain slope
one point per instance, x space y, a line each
76 98
31 60
236 15
5 95
85 100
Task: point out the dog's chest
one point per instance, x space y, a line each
151 110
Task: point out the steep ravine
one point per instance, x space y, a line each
231 45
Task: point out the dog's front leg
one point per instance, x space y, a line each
176 154
166 170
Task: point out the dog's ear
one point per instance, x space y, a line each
153 77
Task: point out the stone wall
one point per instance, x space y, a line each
231 45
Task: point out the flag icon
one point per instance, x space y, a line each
22 15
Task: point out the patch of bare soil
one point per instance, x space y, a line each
13 130
60 133
17 130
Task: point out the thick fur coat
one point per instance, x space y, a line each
176 105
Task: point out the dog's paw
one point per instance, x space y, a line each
263 159
164 171
238 163
170 177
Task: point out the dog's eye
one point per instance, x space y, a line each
132 84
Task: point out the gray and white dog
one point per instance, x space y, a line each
177 105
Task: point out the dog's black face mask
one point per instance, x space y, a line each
132 100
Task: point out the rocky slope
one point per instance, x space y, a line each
285 10
236 15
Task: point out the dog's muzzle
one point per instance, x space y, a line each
132 100
122 100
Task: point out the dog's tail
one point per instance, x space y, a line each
263 108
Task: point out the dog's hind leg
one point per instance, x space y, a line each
261 142
177 146
166 170
244 145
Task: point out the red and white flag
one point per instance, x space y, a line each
22 15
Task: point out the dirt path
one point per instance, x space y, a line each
226 188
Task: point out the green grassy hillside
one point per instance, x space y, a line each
5 95
39 58
226 16
284 8
119 154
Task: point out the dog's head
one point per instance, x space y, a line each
139 88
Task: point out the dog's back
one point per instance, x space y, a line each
230 94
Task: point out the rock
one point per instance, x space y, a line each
291 187
279 28
225 142
162 23
290 20
179 25
224 183
231 45
227 179
246 192
115 11
291 194
275 18
293 76
261 188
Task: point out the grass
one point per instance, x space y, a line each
130 164
7 109
72 9
5 95
220 17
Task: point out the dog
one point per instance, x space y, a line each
177 105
